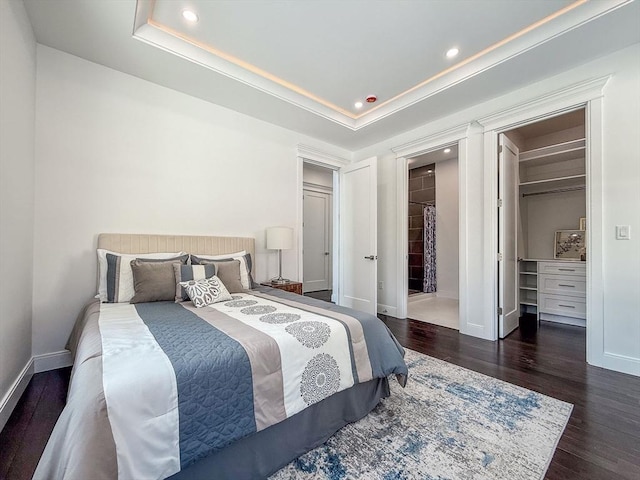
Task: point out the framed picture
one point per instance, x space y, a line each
570 245
583 223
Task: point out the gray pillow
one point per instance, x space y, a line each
153 281
228 271
184 273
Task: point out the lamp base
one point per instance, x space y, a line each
280 281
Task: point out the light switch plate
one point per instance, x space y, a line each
623 232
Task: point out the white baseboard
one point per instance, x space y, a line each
416 297
51 361
15 392
387 310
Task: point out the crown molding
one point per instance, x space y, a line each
320 158
573 16
564 98
428 143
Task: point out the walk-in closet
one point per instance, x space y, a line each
542 223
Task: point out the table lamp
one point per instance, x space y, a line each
279 238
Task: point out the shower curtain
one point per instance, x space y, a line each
429 284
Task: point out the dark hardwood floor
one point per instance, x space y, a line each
601 441
320 295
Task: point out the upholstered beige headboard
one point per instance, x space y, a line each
135 243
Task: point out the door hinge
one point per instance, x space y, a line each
500 149
499 203
499 310
499 257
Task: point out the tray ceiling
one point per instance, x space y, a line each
303 65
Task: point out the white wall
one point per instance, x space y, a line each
17 97
118 154
621 197
447 230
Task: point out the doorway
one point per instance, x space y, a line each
317 230
542 222
433 237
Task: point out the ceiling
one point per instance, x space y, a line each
303 65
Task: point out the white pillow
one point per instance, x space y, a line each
126 273
245 272
206 292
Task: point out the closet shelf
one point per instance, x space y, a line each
529 288
560 152
528 273
559 182
529 303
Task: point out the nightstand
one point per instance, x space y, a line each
294 287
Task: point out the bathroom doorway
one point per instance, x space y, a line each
433 247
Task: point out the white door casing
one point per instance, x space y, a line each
317 240
358 236
508 184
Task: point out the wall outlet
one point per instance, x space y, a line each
623 232
381 285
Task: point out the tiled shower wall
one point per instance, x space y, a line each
422 189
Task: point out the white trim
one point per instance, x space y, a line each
52 361
387 310
545 105
315 187
313 156
589 94
10 400
318 157
425 144
595 259
422 145
402 236
620 363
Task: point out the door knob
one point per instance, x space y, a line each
326 253
371 257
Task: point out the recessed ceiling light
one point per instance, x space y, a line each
447 150
190 15
429 171
358 105
452 52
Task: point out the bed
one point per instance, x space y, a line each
237 389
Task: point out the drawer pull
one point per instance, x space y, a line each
567 269
566 306
564 285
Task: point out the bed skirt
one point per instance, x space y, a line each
265 452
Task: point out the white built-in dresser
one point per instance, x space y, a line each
555 290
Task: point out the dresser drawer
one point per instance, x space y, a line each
563 268
562 305
575 286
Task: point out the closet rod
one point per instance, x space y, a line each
425 204
556 190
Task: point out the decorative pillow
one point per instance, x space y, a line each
228 271
184 273
245 265
206 292
120 287
153 281
102 266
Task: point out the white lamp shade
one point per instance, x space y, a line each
279 238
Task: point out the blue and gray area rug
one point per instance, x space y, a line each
449 423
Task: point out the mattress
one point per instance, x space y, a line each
164 389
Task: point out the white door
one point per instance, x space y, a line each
508 184
316 250
358 236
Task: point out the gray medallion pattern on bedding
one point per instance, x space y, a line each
280 318
258 310
334 349
241 303
311 334
321 378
